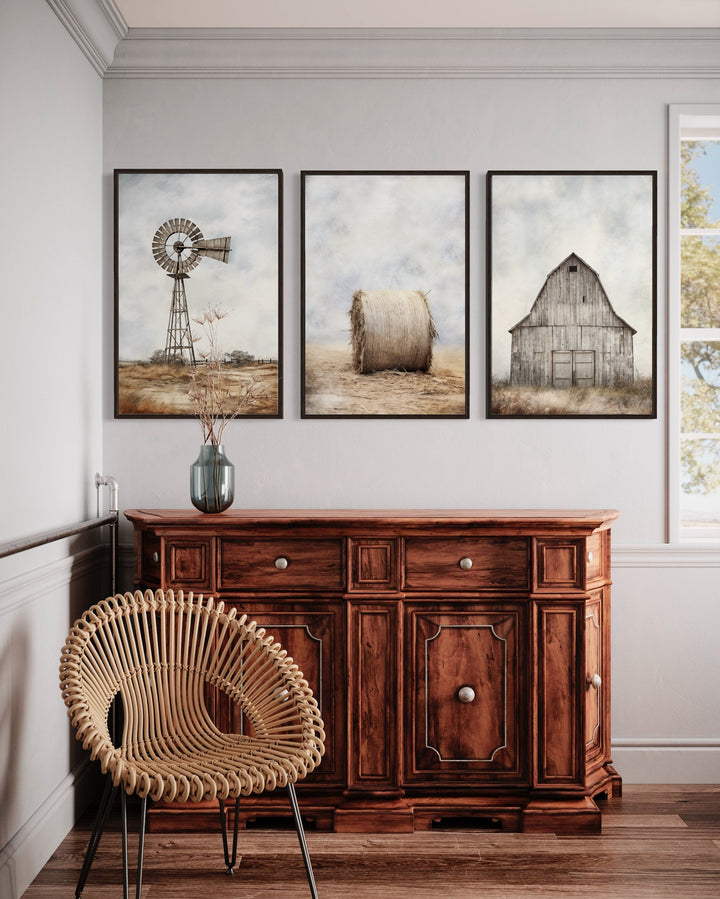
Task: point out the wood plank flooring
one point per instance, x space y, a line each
657 842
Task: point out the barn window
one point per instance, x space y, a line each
572 268
695 286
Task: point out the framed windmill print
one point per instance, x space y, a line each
192 246
385 294
571 294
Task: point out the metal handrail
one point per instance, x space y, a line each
10 547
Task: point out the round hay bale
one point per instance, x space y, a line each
391 329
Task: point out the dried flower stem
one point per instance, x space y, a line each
215 403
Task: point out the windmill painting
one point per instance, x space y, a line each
571 294
161 219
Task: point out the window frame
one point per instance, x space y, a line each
682 118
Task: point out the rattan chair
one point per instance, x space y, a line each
160 654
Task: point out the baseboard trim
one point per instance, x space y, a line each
24 855
664 761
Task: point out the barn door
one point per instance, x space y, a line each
573 368
562 365
584 368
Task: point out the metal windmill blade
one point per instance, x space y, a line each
178 246
216 248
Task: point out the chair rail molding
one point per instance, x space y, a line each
666 555
96 26
471 53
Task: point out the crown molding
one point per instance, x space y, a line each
96 26
470 53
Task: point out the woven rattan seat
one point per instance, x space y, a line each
160 654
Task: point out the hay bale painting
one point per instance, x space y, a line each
391 330
385 294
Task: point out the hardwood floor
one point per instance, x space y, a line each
657 842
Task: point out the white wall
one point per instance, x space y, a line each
336 102
51 374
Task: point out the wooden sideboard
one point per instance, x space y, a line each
461 659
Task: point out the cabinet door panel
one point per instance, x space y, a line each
559 694
313 638
465 691
596 681
373 672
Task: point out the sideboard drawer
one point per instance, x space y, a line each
280 564
466 563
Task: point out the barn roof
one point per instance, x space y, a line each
565 261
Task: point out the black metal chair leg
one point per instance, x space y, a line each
123 821
141 847
301 837
100 821
229 860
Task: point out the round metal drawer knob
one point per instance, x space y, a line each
594 680
281 563
466 564
465 694
589 556
156 557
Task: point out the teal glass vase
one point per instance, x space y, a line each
212 480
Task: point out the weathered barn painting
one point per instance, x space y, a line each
572 336
572 294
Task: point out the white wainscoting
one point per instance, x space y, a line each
46 779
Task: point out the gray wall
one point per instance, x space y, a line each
401 124
51 374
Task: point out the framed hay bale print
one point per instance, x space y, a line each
571 294
385 274
192 246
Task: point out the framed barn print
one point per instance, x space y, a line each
571 294
385 263
191 247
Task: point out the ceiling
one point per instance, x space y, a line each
421 14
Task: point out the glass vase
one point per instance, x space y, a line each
212 480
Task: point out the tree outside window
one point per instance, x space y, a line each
700 337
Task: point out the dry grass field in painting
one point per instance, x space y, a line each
634 400
334 387
148 389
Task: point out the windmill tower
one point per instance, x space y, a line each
178 246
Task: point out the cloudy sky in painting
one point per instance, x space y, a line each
538 220
375 232
242 206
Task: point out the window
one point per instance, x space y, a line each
695 319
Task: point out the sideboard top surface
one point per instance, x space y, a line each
526 520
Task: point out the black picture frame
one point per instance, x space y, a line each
156 209
396 243
571 294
